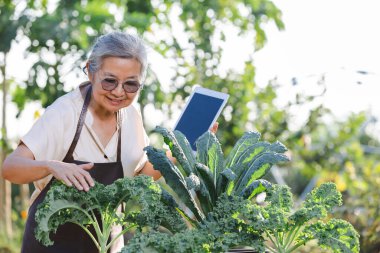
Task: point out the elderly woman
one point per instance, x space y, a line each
94 132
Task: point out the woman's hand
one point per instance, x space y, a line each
72 174
214 127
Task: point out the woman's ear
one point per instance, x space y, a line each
88 72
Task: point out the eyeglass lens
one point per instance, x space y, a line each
129 86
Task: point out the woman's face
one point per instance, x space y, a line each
114 70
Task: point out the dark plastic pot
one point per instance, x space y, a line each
242 250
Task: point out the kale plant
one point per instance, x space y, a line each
209 174
269 227
286 230
220 232
146 205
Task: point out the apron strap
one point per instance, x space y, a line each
69 155
119 145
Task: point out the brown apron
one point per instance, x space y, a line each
70 238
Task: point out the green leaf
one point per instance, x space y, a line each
254 151
256 187
336 235
186 148
194 183
279 198
47 223
247 140
258 168
179 147
223 180
210 153
207 178
278 147
173 178
245 158
326 194
204 198
318 203
144 201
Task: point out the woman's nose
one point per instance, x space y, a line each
118 91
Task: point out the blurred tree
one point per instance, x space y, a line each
73 25
196 46
11 22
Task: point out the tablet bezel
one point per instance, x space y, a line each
207 92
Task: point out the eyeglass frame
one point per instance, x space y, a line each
114 85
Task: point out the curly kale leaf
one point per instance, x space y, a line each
318 203
221 231
99 208
64 204
271 217
286 232
185 242
155 209
337 235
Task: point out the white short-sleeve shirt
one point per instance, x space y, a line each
52 134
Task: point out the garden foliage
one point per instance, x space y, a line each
144 202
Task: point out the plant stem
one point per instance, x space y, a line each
106 232
280 245
281 236
291 237
120 234
90 234
95 224
273 241
271 249
295 247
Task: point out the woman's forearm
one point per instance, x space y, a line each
21 168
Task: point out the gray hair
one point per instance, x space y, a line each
118 44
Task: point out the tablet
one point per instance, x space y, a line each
200 113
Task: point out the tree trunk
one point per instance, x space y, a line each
5 186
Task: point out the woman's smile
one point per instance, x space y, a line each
115 102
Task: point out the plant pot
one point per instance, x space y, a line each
243 250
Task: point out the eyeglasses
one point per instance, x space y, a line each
130 86
109 84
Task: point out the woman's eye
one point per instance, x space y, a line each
132 83
110 80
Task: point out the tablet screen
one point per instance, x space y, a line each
198 117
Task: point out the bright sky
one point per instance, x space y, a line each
335 37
